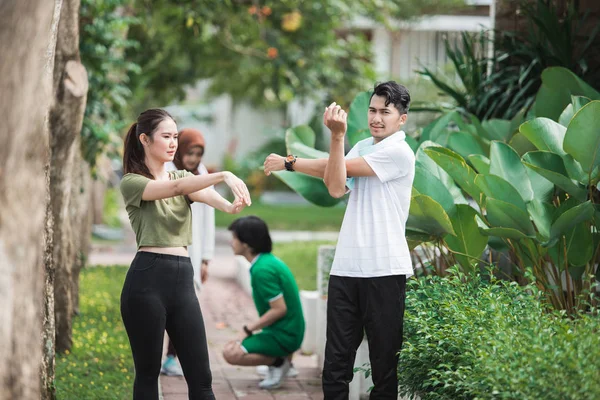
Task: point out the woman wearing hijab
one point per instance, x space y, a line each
189 158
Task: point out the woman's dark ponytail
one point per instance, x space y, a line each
133 154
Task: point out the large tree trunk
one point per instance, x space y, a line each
66 118
25 27
81 220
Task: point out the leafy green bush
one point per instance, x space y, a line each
475 339
99 365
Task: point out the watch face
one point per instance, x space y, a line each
289 158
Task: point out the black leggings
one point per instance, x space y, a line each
159 294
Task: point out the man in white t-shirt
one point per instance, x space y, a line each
372 260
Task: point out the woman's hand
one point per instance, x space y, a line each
204 271
236 207
238 187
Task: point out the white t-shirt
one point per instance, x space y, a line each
372 241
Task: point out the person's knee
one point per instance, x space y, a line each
232 353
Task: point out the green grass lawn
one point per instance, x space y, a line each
99 365
290 217
301 257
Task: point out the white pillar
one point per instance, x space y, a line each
381 46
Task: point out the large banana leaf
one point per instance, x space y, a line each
545 134
467 239
551 166
358 122
521 144
458 169
582 139
506 163
577 244
501 214
569 219
312 189
428 216
497 188
558 85
440 126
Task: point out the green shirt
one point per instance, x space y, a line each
271 278
159 223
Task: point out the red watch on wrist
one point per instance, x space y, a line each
290 160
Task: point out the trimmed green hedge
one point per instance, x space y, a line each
472 339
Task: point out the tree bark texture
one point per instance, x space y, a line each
66 117
25 27
47 372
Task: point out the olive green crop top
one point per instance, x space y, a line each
159 223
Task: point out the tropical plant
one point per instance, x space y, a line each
103 42
504 84
529 189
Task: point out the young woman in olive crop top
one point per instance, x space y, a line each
158 292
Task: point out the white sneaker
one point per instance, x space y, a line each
171 367
276 376
263 370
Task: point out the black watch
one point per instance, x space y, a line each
248 331
290 160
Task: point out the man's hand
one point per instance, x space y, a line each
335 119
274 162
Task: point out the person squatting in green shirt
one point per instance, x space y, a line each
158 292
277 300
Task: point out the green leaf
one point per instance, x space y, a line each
541 213
358 118
414 145
521 144
481 163
440 126
465 144
457 168
501 214
428 216
426 163
506 163
551 166
498 129
497 188
582 139
576 103
545 134
429 185
558 85
312 189
300 134
303 151
507 233
569 219
467 239
577 244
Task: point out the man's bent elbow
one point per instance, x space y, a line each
337 193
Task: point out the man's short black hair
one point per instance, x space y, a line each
394 93
254 232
